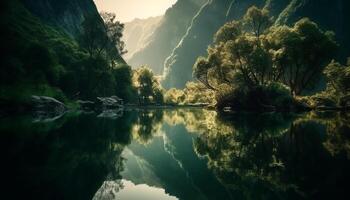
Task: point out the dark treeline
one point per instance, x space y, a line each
42 59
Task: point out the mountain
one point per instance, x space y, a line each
199 35
331 15
137 34
178 65
168 34
65 14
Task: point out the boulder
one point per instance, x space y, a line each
47 109
112 114
106 103
86 105
47 104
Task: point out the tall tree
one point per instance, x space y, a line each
257 54
93 38
114 30
301 54
149 88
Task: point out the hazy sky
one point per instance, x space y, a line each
127 10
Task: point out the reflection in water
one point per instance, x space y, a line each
177 154
127 190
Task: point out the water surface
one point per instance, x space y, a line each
187 154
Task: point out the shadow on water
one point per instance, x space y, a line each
187 153
276 156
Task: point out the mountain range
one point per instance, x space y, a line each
189 26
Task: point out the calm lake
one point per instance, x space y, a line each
186 154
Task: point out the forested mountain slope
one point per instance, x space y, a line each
66 14
42 55
330 15
173 26
137 34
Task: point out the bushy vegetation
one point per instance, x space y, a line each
253 65
337 93
36 55
193 93
148 87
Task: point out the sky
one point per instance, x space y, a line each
127 10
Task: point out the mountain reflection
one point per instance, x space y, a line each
177 154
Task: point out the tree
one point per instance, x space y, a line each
257 20
256 54
103 36
301 54
229 31
201 71
149 89
174 96
114 30
93 37
123 80
250 59
338 78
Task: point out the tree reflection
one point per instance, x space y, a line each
62 160
147 125
254 156
278 156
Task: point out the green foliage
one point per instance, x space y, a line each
259 154
174 96
93 37
114 31
148 87
102 36
193 93
337 93
259 58
229 31
257 20
124 86
40 55
301 54
338 78
273 96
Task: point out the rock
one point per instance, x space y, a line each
86 105
48 104
106 103
112 114
227 109
47 108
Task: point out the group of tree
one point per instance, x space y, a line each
103 42
44 60
193 93
254 63
148 87
252 153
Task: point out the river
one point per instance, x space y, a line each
171 154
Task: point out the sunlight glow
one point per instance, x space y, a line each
128 10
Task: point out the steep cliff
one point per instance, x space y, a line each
198 37
66 14
330 15
137 34
168 34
